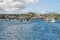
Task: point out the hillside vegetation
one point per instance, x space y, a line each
30 14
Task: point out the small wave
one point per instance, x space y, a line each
16 32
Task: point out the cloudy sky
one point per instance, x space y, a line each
21 6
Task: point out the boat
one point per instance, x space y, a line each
50 20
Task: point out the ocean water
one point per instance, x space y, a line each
29 30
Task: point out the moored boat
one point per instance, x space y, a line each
50 20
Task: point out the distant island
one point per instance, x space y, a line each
30 15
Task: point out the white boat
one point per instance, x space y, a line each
50 20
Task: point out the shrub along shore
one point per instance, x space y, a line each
30 15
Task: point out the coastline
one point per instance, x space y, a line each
29 16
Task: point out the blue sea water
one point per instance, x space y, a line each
29 30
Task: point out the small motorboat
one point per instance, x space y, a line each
50 20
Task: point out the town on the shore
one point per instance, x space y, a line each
29 16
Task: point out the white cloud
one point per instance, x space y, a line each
13 6
31 1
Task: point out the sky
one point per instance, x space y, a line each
22 6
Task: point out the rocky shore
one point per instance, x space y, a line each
28 16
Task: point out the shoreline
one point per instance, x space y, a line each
29 15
